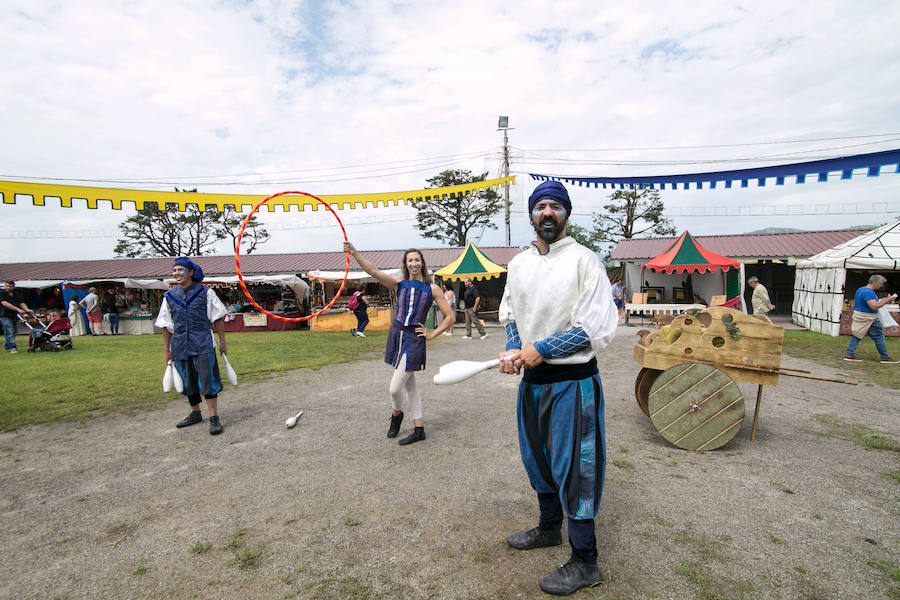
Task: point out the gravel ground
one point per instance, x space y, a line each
128 506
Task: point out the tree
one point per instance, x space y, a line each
451 219
585 237
631 213
194 232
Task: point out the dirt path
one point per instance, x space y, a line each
131 507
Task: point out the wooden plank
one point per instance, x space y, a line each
696 406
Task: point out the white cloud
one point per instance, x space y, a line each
105 90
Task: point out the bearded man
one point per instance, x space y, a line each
558 312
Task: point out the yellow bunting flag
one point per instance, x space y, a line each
95 196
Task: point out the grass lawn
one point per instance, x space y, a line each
125 372
829 351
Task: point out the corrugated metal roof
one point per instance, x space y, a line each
252 264
752 246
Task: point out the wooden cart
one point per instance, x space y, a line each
687 383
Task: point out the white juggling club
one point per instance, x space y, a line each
168 379
293 420
229 372
177 382
459 370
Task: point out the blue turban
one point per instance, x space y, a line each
553 190
183 261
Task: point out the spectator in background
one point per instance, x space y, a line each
10 306
618 293
75 319
115 304
359 304
450 296
472 299
865 319
91 305
759 301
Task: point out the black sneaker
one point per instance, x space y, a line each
353 331
394 428
849 358
571 577
889 361
417 435
215 428
192 419
535 538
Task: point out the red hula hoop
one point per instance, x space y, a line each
237 260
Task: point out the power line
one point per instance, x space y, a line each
735 145
384 169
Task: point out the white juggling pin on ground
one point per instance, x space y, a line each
293 420
459 370
229 372
168 378
177 382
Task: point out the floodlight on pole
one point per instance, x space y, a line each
503 125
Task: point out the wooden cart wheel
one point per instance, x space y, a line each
696 406
642 383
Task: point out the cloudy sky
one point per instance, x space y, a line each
354 97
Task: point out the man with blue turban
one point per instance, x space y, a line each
188 313
558 311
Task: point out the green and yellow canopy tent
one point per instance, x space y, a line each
684 258
473 264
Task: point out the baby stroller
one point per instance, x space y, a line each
52 338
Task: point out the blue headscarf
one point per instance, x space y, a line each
553 190
183 261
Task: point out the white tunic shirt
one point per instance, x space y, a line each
547 294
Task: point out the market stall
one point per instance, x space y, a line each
687 273
138 301
339 317
489 278
282 294
826 283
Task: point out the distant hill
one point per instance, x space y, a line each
789 230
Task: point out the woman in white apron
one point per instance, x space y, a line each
75 318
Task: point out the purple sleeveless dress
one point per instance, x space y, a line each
413 301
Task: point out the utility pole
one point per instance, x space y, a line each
503 125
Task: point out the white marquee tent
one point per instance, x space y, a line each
819 293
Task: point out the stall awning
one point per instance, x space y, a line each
37 284
471 264
359 276
127 282
687 256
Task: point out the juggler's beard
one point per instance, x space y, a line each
549 228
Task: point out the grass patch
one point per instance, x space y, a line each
245 558
141 569
895 476
124 373
623 464
855 432
200 548
350 521
830 351
890 569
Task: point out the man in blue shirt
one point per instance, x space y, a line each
865 319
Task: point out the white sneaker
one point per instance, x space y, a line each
467 337
446 333
360 334
483 337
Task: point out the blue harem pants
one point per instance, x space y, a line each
200 375
563 444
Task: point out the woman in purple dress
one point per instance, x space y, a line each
405 350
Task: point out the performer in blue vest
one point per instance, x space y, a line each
188 313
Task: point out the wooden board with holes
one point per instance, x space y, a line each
716 335
696 407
